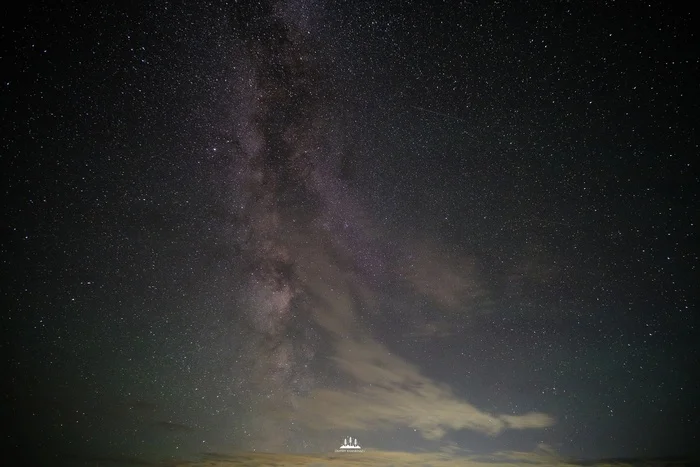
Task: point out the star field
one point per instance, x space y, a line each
266 226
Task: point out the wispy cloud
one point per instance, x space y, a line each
448 279
384 391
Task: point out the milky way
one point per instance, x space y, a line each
317 262
275 126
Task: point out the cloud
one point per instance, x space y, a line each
447 278
391 393
384 391
528 420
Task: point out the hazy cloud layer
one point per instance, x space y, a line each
448 278
384 391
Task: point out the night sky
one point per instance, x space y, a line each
271 225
